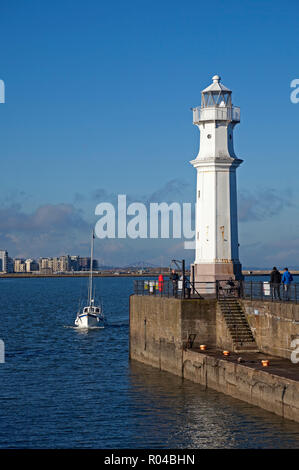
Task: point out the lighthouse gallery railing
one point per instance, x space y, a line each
216 113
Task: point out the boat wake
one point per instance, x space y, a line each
81 328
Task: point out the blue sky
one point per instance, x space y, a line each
98 98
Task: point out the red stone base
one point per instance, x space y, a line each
211 272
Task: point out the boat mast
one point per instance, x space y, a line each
91 266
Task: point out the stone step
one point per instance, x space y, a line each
245 344
236 314
237 325
239 330
230 298
236 322
252 344
242 337
230 306
240 325
235 318
237 306
249 341
227 305
238 334
232 312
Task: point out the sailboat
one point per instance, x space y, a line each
92 315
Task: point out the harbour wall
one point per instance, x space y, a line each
271 392
160 334
274 325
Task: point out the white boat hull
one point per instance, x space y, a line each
91 316
87 320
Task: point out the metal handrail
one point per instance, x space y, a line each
174 288
249 290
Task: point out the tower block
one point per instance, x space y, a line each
216 245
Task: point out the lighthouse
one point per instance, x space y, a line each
216 238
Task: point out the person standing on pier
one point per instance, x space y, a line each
174 277
161 283
275 280
287 278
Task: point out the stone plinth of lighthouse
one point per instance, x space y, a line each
217 247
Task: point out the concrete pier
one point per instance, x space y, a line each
166 333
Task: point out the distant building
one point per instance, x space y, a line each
19 265
55 265
6 263
10 265
61 264
46 265
65 263
95 265
3 261
84 264
74 261
31 265
28 265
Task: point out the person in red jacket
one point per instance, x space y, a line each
161 282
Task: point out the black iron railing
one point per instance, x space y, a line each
178 289
258 290
252 290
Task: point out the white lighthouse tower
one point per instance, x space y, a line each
217 247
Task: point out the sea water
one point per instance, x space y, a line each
66 388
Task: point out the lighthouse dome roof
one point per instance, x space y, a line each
216 86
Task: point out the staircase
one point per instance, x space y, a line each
237 325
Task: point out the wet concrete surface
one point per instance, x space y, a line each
277 366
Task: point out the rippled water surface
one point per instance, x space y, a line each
65 388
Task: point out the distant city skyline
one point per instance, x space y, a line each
97 103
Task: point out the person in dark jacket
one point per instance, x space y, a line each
275 280
174 277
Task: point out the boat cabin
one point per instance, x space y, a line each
91 310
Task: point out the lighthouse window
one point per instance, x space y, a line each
209 136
